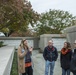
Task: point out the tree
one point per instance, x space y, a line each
16 15
10 13
54 21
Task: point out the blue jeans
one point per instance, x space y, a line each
51 65
65 71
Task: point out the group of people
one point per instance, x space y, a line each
67 58
50 54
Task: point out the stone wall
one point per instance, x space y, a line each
38 43
44 41
15 41
58 40
71 34
6 58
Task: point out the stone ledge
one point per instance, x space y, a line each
18 38
70 29
53 35
6 58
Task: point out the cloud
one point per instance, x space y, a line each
44 5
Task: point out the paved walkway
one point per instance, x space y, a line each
39 64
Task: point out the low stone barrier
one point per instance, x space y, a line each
71 34
6 58
15 41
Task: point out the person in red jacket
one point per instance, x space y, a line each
65 58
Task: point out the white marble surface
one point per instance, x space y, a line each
6 58
58 43
16 43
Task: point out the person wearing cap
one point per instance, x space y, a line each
65 58
73 60
24 58
50 55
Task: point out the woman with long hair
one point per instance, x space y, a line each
24 58
65 58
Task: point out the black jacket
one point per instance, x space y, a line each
65 60
73 62
50 54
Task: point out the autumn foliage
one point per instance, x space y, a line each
16 15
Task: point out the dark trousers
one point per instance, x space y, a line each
29 71
65 72
74 73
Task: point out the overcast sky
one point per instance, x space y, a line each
44 5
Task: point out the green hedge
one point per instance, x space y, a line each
1 43
14 69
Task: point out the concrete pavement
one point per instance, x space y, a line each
39 64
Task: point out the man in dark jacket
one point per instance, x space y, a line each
73 60
50 55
